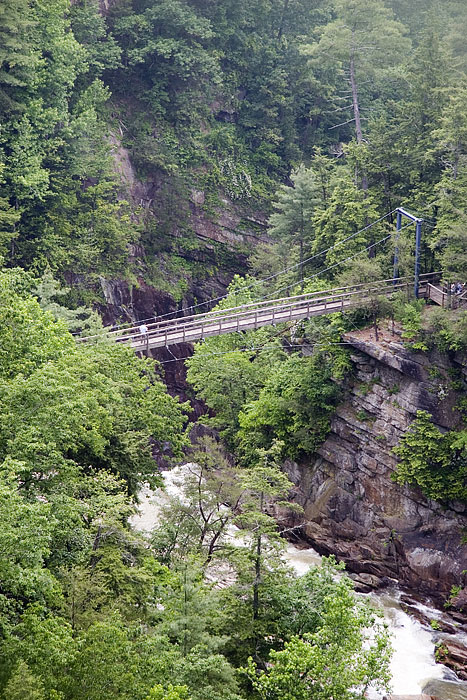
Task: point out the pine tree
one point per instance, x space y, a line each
363 42
292 222
23 685
17 58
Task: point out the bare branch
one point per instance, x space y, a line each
342 124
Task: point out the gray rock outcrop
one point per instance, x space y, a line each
352 507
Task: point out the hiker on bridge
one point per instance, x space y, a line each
143 331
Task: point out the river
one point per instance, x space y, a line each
413 665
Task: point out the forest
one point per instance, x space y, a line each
312 120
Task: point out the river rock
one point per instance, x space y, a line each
453 655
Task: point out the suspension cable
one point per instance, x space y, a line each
264 279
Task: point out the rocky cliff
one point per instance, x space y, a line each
352 507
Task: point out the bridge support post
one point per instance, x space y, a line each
418 239
396 249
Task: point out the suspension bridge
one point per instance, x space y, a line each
188 329
165 332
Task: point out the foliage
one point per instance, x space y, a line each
177 692
237 366
237 100
448 329
294 406
292 222
335 657
433 460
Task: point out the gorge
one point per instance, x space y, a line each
161 158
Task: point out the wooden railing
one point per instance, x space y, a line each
448 300
251 316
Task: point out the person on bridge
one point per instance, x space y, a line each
143 331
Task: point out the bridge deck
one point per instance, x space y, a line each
163 333
188 329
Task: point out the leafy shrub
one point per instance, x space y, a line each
434 461
295 406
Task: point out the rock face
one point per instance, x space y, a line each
454 656
352 507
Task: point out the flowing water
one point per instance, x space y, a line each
413 665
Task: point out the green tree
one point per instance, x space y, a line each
292 222
196 519
336 646
89 28
434 461
362 271
225 372
23 684
294 407
363 41
173 692
265 486
325 666
348 211
18 60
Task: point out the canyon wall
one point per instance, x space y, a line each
352 507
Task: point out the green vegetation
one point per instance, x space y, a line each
435 461
235 100
293 117
260 392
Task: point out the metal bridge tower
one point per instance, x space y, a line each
418 239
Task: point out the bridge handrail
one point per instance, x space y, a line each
206 320
254 304
220 314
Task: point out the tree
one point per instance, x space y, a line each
348 211
90 30
106 665
196 519
173 692
23 684
292 222
364 271
364 41
18 59
266 486
451 139
82 319
346 653
294 407
43 640
225 372
452 251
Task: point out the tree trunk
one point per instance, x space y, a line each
356 107
257 578
359 134
257 567
285 7
301 265
356 112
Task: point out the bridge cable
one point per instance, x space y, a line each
339 262
265 347
331 267
264 279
